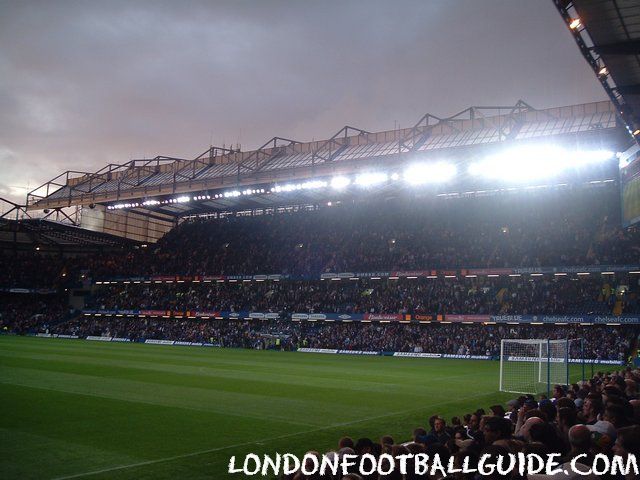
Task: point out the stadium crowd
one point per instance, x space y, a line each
597 417
601 342
505 231
35 270
29 313
505 295
560 228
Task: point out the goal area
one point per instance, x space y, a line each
535 366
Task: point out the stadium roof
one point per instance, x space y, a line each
219 177
49 236
608 34
55 231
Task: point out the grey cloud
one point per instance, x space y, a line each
86 83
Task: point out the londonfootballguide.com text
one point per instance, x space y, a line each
422 464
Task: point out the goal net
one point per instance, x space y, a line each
534 366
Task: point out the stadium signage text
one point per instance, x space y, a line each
39 291
562 360
595 319
384 317
56 335
462 272
466 318
441 355
317 350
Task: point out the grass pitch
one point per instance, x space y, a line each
79 409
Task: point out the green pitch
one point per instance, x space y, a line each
80 409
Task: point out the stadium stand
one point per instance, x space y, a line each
554 229
602 342
54 237
29 312
554 295
444 272
422 271
462 260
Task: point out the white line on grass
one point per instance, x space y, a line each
162 405
254 442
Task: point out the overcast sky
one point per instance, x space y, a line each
85 83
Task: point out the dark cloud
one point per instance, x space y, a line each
86 83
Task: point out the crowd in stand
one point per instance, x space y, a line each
598 417
555 229
237 334
575 228
32 270
600 342
505 295
28 313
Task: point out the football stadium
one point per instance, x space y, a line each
466 286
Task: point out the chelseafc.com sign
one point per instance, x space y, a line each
421 464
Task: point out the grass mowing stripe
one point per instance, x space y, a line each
135 417
107 432
128 391
238 382
255 417
228 358
288 435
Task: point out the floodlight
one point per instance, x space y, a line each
575 23
535 162
291 187
313 184
588 157
422 173
340 182
370 179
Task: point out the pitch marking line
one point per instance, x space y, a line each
254 442
162 405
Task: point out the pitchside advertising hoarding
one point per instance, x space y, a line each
414 354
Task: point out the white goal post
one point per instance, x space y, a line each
534 366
